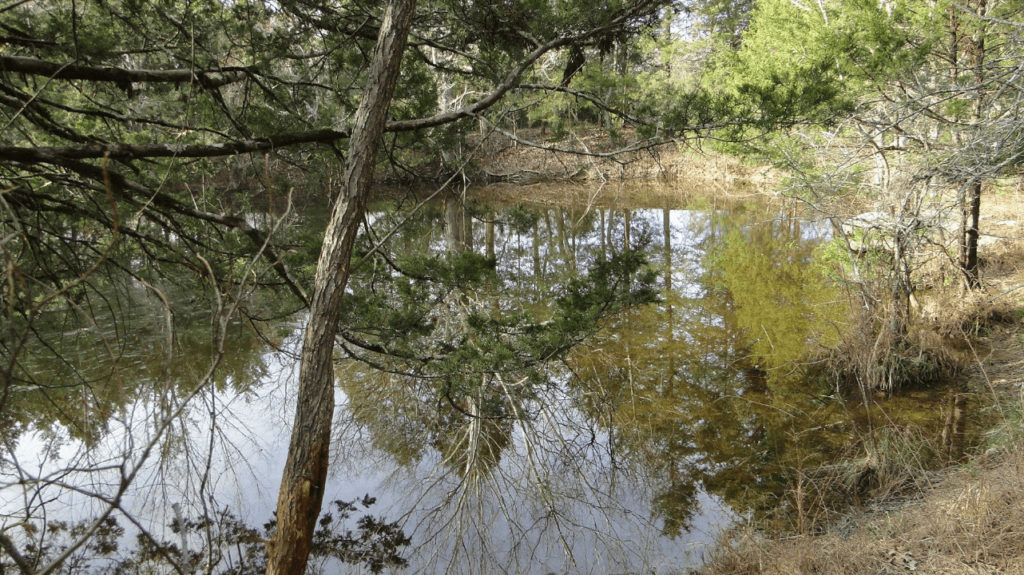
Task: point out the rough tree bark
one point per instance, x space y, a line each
302 485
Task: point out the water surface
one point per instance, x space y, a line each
630 453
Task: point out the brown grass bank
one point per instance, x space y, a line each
969 521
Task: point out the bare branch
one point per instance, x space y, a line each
613 154
595 100
58 155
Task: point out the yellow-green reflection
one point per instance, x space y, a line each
781 299
710 387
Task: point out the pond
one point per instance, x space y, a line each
501 428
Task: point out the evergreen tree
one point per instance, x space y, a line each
148 132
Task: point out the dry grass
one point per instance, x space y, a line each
966 520
970 522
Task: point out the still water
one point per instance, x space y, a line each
470 404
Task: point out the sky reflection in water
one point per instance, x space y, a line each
637 451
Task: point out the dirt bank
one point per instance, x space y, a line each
530 157
514 162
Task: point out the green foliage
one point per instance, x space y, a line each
402 314
782 300
621 281
728 19
810 64
785 70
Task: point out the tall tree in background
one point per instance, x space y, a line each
905 107
725 19
930 89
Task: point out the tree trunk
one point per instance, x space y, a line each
899 316
489 234
972 208
458 227
305 472
969 244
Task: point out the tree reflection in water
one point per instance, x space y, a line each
528 418
677 398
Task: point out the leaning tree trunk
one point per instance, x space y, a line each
305 472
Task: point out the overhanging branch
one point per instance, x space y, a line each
207 78
58 155
126 189
593 99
